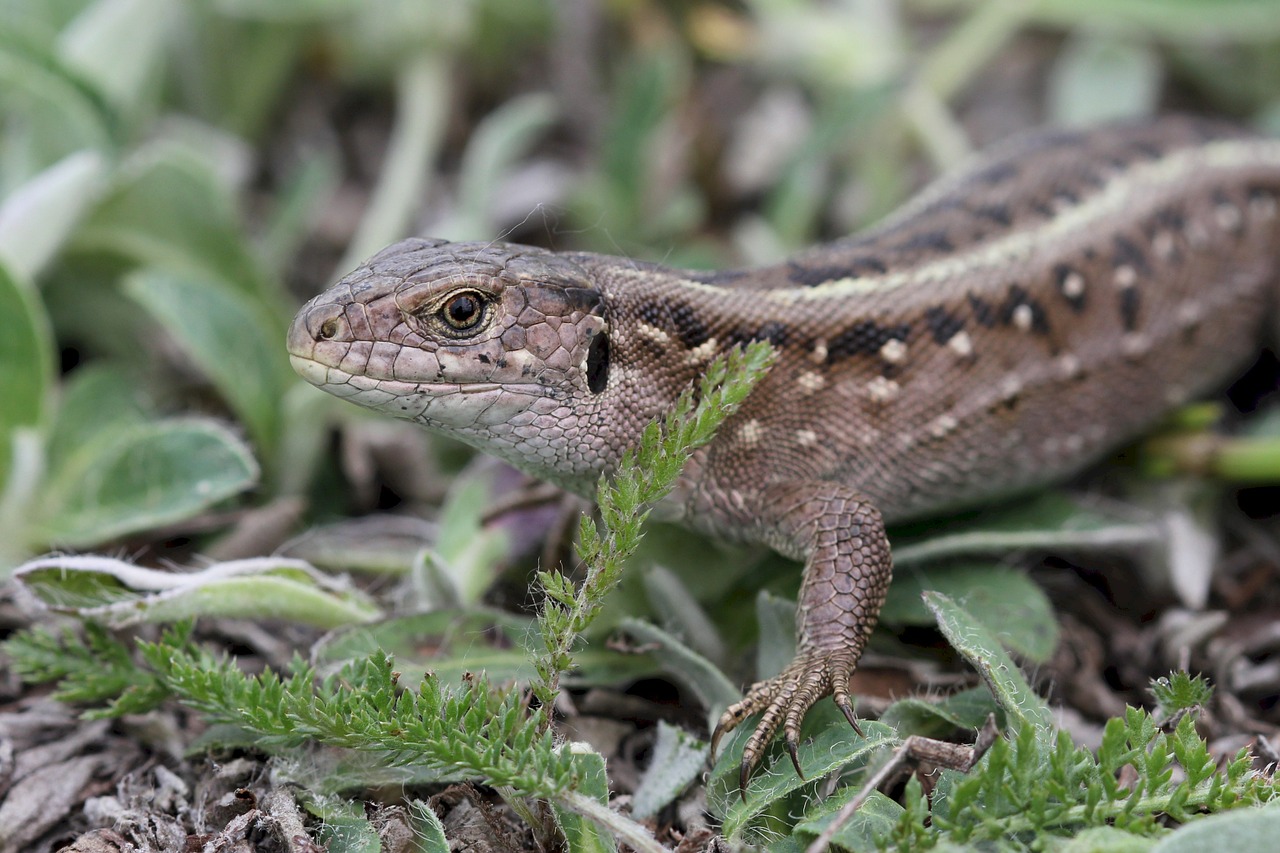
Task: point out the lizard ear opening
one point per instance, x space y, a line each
598 362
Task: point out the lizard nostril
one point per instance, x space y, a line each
328 330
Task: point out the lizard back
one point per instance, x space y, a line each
1007 327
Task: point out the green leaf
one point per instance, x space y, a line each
1098 79
96 400
498 141
1244 829
1194 21
967 709
143 476
429 829
228 337
777 644
1052 521
422 98
451 643
91 45
290 11
1005 597
694 672
581 835
1180 692
49 112
871 824
834 748
169 210
345 829
118 594
676 608
38 216
678 759
27 355
978 645
467 553
1107 839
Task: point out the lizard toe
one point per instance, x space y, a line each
785 699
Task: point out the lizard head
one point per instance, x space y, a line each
505 347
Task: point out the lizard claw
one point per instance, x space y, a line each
846 708
784 700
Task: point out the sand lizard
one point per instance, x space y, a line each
1011 324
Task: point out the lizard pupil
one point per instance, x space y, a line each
463 311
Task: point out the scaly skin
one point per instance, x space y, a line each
1009 326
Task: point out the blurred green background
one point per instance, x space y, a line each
176 177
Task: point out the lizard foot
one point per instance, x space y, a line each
785 699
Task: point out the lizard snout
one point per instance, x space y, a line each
317 324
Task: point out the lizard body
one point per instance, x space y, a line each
1007 327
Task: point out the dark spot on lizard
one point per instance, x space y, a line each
1170 218
1257 193
1127 253
928 241
996 173
652 312
585 299
1149 150
1190 331
997 213
1130 302
717 277
982 311
483 358
774 332
1016 298
814 276
1049 140
1224 203
690 328
865 337
942 323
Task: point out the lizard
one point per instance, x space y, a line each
1007 327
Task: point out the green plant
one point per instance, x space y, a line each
504 742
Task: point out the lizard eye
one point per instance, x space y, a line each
463 311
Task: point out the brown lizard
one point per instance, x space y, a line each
1006 328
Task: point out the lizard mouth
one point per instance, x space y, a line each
329 377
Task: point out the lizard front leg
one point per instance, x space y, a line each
841 538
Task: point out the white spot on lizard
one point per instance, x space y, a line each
894 351
811 381
1073 286
942 425
1024 317
961 344
883 390
703 352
